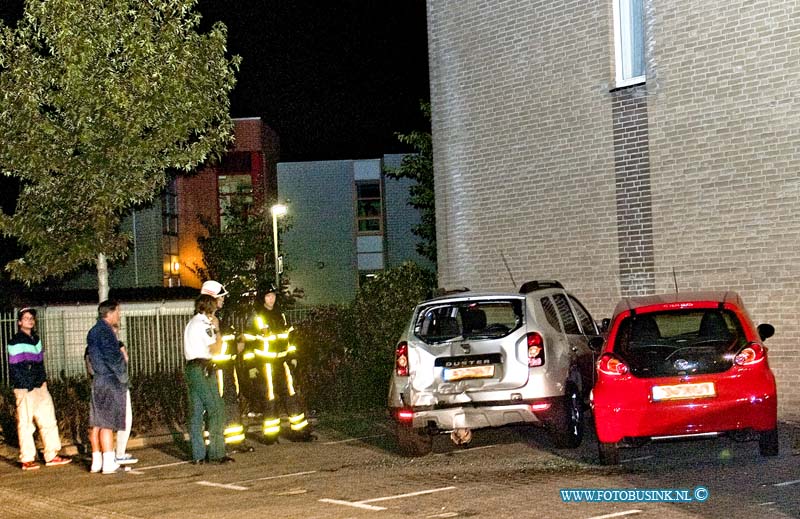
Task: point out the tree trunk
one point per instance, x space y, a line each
102 277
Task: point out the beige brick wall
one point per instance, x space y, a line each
723 83
523 152
524 155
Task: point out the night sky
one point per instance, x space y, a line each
335 80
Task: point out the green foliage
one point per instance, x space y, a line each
241 255
159 404
419 167
346 353
99 99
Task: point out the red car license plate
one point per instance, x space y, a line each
684 391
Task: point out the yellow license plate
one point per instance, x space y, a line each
684 391
469 372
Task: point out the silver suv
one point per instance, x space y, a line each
471 360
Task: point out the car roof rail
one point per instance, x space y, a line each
439 292
538 284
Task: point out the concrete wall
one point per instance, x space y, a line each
319 248
538 159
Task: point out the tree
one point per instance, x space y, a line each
240 255
100 98
419 167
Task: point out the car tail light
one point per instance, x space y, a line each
535 350
405 415
539 407
611 365
751 354
401 359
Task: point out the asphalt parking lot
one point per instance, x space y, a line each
510 472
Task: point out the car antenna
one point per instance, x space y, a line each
675 280
514 283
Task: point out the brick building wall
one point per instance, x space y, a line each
540 161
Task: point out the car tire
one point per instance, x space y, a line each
609 453
413 442
768 442
567 430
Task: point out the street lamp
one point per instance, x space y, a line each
277 210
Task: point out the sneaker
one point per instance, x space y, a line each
223 460
58 460
29 465
126 459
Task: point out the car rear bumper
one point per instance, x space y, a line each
477 415
741 404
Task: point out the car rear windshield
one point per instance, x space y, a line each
684 342
491 319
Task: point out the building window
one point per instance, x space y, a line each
235 198
169 235
629 42
369 212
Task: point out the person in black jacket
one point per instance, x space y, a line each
275 356
34 403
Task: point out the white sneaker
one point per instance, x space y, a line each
126 459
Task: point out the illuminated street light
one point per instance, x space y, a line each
277 210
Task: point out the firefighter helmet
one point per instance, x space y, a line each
213 288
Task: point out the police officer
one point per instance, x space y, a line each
274 354
225 374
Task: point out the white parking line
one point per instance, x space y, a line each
351 503
138 469
275 477
617 514
355 439
410 494
221 485
636 459
787 483
465 450
364 503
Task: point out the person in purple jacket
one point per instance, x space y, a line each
34 403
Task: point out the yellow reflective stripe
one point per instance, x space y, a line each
267 354
221 357
233 429
249 337
299 426
289 379
220 382
260 322
249 355
268 376
292 348
272 426
228 337
235 439
283 335
296 418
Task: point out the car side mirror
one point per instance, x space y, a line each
596 343
765 331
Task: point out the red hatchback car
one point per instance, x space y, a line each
684 365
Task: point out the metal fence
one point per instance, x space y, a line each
152 333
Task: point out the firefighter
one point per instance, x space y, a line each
225 375
274 355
